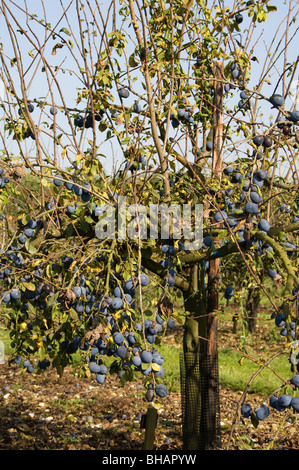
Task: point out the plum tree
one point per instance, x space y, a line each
155 96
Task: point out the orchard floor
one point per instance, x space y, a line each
45 412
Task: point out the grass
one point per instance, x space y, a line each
4 337
235 372
171 353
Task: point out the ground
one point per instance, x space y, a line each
45 412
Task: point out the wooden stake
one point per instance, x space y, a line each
150 427
218 119
213 277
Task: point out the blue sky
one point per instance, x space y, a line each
69 83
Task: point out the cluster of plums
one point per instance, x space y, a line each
123 338
277 402
28 366
250 185
169 251
285 328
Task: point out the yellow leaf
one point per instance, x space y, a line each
23 326
239 225
78 157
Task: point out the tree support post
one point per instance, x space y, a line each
150 424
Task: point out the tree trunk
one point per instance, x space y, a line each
199 381
252 304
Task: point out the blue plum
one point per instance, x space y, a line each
262 412
246 410
161 390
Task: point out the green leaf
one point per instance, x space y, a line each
66 31
30 248
31 308
52 299
148 313
271 8
102 126
25 219
57 46
28 285
132 61
147 252
254 420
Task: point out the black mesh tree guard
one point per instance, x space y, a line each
200 402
